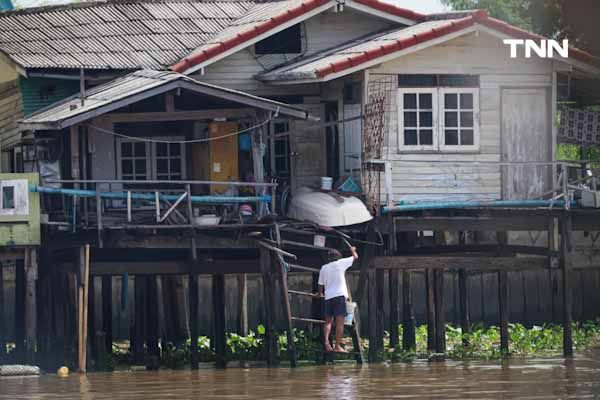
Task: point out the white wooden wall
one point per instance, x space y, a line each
484 55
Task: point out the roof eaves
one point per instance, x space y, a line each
392 9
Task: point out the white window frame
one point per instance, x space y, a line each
438 120
151 157
434 111
442 118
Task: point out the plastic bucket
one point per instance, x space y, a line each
350 307
326 183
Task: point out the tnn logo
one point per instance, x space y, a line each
544 49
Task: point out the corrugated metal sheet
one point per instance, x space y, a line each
115 34
127 86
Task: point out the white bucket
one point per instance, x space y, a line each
326 183
350 308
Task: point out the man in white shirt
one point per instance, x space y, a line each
332 284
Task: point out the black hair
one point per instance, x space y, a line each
333 255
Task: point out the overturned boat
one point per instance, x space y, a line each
327 208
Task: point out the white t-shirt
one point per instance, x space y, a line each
332 276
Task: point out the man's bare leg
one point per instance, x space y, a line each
327 332
339 331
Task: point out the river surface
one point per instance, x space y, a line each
553 378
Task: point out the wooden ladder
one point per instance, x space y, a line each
355 332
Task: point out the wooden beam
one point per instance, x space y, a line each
233 266
472 263
491 223
233 113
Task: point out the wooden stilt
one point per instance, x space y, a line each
242 310
193 300
80 278
503 312
86 289
107 311
94 322
431 321
372 304
316 313
440 313
152 362
409 340
60 297
219 320
463 291
139 326
380 277
2 318
287 311
269 305
19 312
394 287
566 248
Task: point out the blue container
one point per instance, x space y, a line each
245 142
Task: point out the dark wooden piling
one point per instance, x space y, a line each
566 249
394 288
431 321
2 318
503 310
380 277
242 309
372 315
269 306
60 296
219 320
409 340
463 294
193 304
139 326
440 312
107 311
152 361
19 315
287 312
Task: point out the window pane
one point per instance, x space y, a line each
280 164
280 146
162 166
451 119
410 101
176 166
425 119
466 119
161 149
280 127
127 167
466 100
466 137
410 119
410 137
426 137
451 137
450 101
8 198
175 149
140 149
140 167
425 101
126 149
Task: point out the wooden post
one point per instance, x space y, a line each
86 289
107 311
193 302
409 340
372 304
380 277
242 312
219 320
268 301
430 289
394 287
440 314
463 292
502 238
287 311
152 326
2 318
139 325
503 311
80 278
19 311
566 248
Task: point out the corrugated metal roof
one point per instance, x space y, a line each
113 34
309 67
131 88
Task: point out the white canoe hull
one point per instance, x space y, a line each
327 209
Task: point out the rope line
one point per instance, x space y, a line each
260 124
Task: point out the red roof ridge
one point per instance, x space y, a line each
392 9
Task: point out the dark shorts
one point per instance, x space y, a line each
335 307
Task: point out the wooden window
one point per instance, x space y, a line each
438 119
280 149
459 120
140 161
417 117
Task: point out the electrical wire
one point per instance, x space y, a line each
260 124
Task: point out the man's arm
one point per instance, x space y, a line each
354 253
322 290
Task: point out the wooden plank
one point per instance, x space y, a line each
471 263
503 310
463 296
453 224
440 312
409 341
309 320
233 266
220 344
269 306
566 248
234 113
430 307
394 288
287 311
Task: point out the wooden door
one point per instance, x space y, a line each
307 142
526 137
223 154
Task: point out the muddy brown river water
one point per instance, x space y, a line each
553 378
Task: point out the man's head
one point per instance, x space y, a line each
333 255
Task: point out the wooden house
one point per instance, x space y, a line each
142 116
